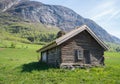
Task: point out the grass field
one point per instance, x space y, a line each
20 66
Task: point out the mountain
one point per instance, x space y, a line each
16 29
55 15
6 4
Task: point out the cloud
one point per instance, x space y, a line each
106 9
105 5
104 13
116 13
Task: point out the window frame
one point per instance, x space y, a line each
79 54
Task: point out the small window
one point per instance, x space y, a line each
78 55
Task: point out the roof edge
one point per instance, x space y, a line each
48 46
72 34
101 42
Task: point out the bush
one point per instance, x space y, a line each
118 49
13 45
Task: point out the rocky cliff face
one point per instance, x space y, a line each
59 16
62 17
6 4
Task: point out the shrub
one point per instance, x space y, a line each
13 45
118 49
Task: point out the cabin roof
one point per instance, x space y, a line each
71 34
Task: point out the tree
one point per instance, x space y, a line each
60 33
118 49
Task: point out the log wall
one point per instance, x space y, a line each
53 56
82 41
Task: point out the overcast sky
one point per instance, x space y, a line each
106 13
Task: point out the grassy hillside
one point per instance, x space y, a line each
14 28
113 47
20 66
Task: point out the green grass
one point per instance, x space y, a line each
7 44
20 66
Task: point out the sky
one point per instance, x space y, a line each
106 13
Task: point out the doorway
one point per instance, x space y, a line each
87 57
44 57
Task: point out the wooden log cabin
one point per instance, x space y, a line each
80 47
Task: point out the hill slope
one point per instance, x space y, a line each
62 17
16 29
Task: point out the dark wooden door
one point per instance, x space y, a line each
87 56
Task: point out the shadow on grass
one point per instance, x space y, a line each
35 66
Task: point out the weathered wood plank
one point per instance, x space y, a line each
82 41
